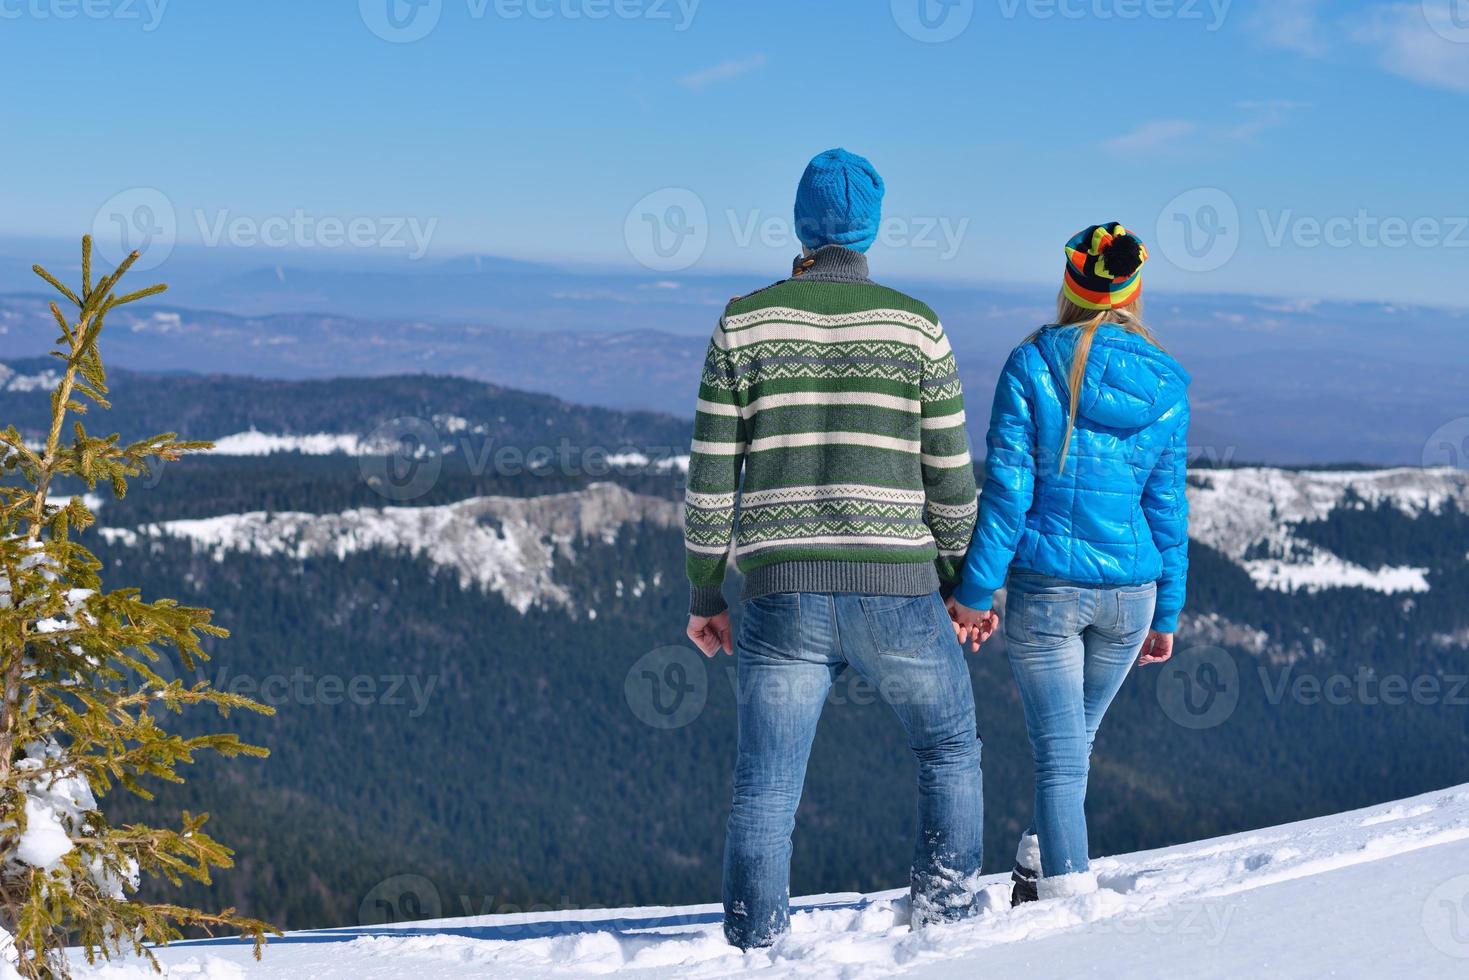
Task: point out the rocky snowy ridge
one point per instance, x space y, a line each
509 545
1242 512
505 545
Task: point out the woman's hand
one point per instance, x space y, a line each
970 625
1157 649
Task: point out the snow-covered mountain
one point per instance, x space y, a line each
1381 892
1254 515
509 545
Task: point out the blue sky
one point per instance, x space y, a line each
1288 147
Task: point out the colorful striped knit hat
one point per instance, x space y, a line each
1104 267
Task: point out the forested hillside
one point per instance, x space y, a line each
486 688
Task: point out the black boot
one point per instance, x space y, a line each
1025 886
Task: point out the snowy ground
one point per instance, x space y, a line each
1382 892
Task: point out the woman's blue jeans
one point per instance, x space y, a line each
791 648
1071 648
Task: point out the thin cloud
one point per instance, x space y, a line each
1409 44
1294 25
1421 41
1181 135
1151 137
1264 116
724 71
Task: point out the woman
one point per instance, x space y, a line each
1084 510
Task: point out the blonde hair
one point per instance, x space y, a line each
1129 318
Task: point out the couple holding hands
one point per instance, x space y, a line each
830 452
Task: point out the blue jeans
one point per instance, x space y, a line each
1071 647
791 648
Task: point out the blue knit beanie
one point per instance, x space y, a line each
839 202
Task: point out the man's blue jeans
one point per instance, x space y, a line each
791 648
1071 647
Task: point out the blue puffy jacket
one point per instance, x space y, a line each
1118 514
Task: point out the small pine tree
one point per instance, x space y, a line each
79 693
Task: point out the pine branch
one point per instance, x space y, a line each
80 700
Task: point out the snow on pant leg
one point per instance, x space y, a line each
782 680
906 648
1043 635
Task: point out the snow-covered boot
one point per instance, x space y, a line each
1027 871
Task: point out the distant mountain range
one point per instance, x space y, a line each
1275 381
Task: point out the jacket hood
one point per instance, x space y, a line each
1129 383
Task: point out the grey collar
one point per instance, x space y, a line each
831 263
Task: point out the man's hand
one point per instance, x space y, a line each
972 626
1157 649
711 633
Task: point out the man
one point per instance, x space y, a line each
830 447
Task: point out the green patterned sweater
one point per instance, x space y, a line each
829 444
